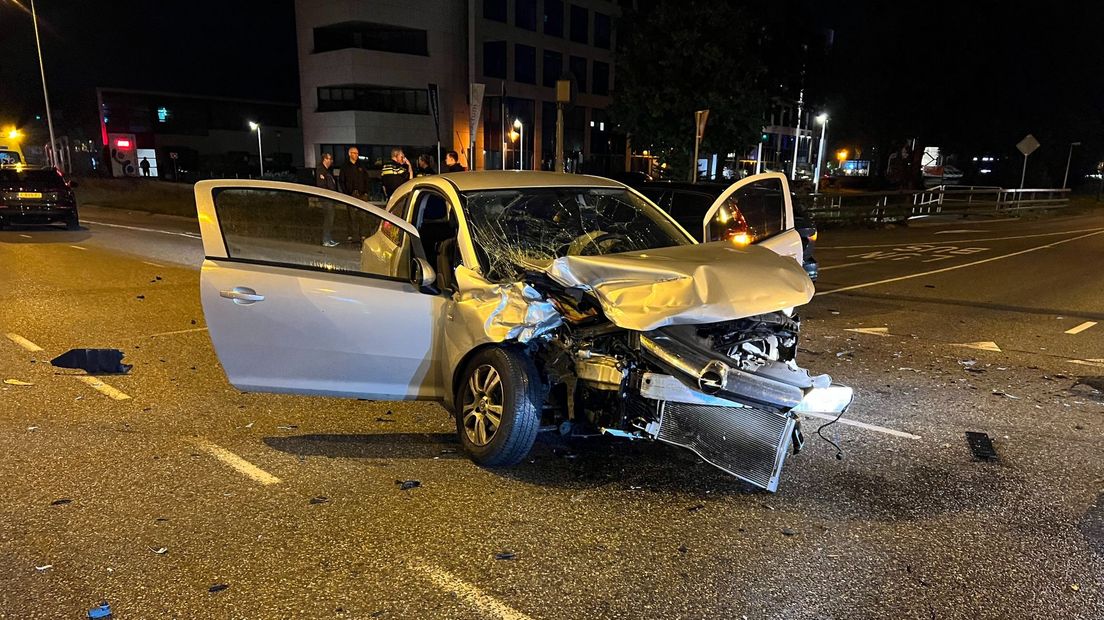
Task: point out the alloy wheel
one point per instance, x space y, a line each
482 406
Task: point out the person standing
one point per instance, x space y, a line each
452 162
325 179
424 167
396 172
353 180
145 166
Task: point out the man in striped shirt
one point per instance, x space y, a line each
396 172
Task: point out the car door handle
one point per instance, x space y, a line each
242 295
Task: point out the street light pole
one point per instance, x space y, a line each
822 118
797 134
260 155
521 143
45 95
1069 158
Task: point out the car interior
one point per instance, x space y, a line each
437 227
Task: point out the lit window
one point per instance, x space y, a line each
162 114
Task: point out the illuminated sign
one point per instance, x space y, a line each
122 144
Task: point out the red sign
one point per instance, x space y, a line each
122 144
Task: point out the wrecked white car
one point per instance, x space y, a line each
522 301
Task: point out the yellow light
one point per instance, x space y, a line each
723 216
741 239
14 134
514 136
813 236
842 155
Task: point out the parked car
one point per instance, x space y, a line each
746 211
36 195
520 301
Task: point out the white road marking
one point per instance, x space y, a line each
23 342
139 228
957 231
1080 328
97 384
873 331
890 245
469 593
77 247
952 268
861 262
1097 362
26 236
179 331
146 262
981 346
857 424
233 460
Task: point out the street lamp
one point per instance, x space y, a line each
1068 159
521 143
821 118
260 155
45 95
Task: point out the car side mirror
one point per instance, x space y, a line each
423 275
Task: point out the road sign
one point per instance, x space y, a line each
700 117
1028 145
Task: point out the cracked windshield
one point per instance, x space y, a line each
520 230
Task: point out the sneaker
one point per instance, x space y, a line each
330 244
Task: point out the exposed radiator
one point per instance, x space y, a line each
747 443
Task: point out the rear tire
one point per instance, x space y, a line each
72 222
498 405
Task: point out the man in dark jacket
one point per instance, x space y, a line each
353 177
452 162
396 172
325 179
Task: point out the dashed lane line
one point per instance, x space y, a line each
97 384
26 236
236 462
469 593
77 247
861 262
1080 328
1008 238
952 268
143 229
23 342
179 331
857 424
151 264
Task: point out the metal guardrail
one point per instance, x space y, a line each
941 200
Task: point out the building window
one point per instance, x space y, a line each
602 30
579 70
525 64
599 82
368 36
580 28
553 67
494 59
525 14
553 18
373 99
495 10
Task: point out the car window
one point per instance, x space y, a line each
689 208
762 205
37 178
302 230
9 157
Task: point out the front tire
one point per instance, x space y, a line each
498 405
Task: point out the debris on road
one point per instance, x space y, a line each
379 419
505 555
159 550
1005 394
968 363
1076 587
218 587
93 361
288 427
103 610
847 353
695 508
321 499
787 531
16 382
981 445
406 485
45 568
31 429
60 502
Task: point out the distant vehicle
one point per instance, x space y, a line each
10 154
741 216
941 175
36 195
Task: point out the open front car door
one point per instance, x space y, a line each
296 301
757 209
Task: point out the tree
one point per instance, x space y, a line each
678 57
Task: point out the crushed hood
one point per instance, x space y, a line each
703 283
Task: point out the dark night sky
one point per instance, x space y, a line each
959 74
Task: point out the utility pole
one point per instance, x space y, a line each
822 118
1069 158
797 134
700 118
563 96
45 95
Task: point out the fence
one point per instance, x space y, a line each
942 200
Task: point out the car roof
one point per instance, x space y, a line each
507 179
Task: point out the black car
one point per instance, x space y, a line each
30 195
689 202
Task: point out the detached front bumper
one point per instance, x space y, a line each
746 441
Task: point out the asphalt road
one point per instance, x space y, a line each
292 502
